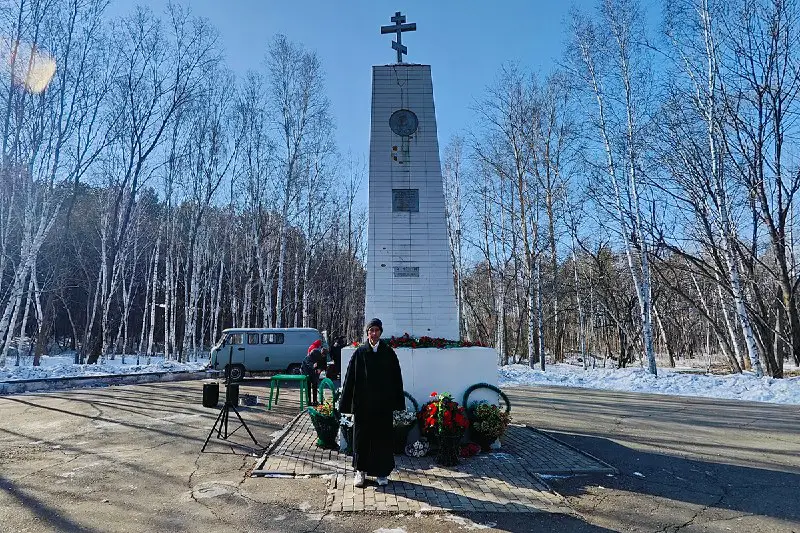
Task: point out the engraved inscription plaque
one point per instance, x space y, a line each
406 272
405 200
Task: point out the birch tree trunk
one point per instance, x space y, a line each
539 314
725 225
619 17
581 321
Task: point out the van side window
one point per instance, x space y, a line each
252 338
272 338
235 338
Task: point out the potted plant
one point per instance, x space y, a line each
325 418
488 423
443 419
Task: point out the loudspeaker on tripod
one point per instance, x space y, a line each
210 394
232 394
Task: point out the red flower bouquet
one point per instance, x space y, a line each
407 341
443 417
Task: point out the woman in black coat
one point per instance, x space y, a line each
336 357
311 366
372 390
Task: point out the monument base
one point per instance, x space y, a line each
453 370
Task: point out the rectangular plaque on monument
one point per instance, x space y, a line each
405 200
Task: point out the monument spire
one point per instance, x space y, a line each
399 27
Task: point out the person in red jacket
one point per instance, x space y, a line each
314 363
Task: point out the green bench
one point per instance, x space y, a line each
278 378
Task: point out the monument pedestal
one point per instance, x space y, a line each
453 370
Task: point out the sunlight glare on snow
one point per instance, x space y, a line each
745 386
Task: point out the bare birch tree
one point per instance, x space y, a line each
695 37
760 100
612 66
455 213
297 104
509 112
51 131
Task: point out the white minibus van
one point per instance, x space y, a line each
243 350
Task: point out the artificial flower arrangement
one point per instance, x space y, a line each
402 422
442 416
326 408
489 423
403 418
346 443
407 341
446 421
325 418
469 449
418 448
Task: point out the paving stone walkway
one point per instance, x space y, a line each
501 481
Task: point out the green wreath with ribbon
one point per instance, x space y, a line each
413 401
477 386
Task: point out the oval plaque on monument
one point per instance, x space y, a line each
403 122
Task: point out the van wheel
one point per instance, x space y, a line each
234 372
294 369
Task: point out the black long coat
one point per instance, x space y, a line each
372 389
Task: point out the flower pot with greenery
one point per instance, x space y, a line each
443 419
325 418
487 423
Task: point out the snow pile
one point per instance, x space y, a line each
669 381
63 366
635 379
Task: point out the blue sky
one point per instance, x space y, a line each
464 42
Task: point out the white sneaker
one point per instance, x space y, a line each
383 481
360 479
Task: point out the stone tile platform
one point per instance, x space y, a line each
506 480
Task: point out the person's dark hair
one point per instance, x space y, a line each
375 322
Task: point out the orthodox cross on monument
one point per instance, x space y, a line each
399 27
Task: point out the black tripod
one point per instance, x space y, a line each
231 399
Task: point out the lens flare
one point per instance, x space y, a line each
27 66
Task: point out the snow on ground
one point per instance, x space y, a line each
669 381
633 379
63 366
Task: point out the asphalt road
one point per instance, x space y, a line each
128 459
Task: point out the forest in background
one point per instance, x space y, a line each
637 203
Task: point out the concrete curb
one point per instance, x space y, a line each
258 470
51 384
607 468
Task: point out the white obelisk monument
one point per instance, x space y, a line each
409 268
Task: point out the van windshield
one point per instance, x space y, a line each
234 338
